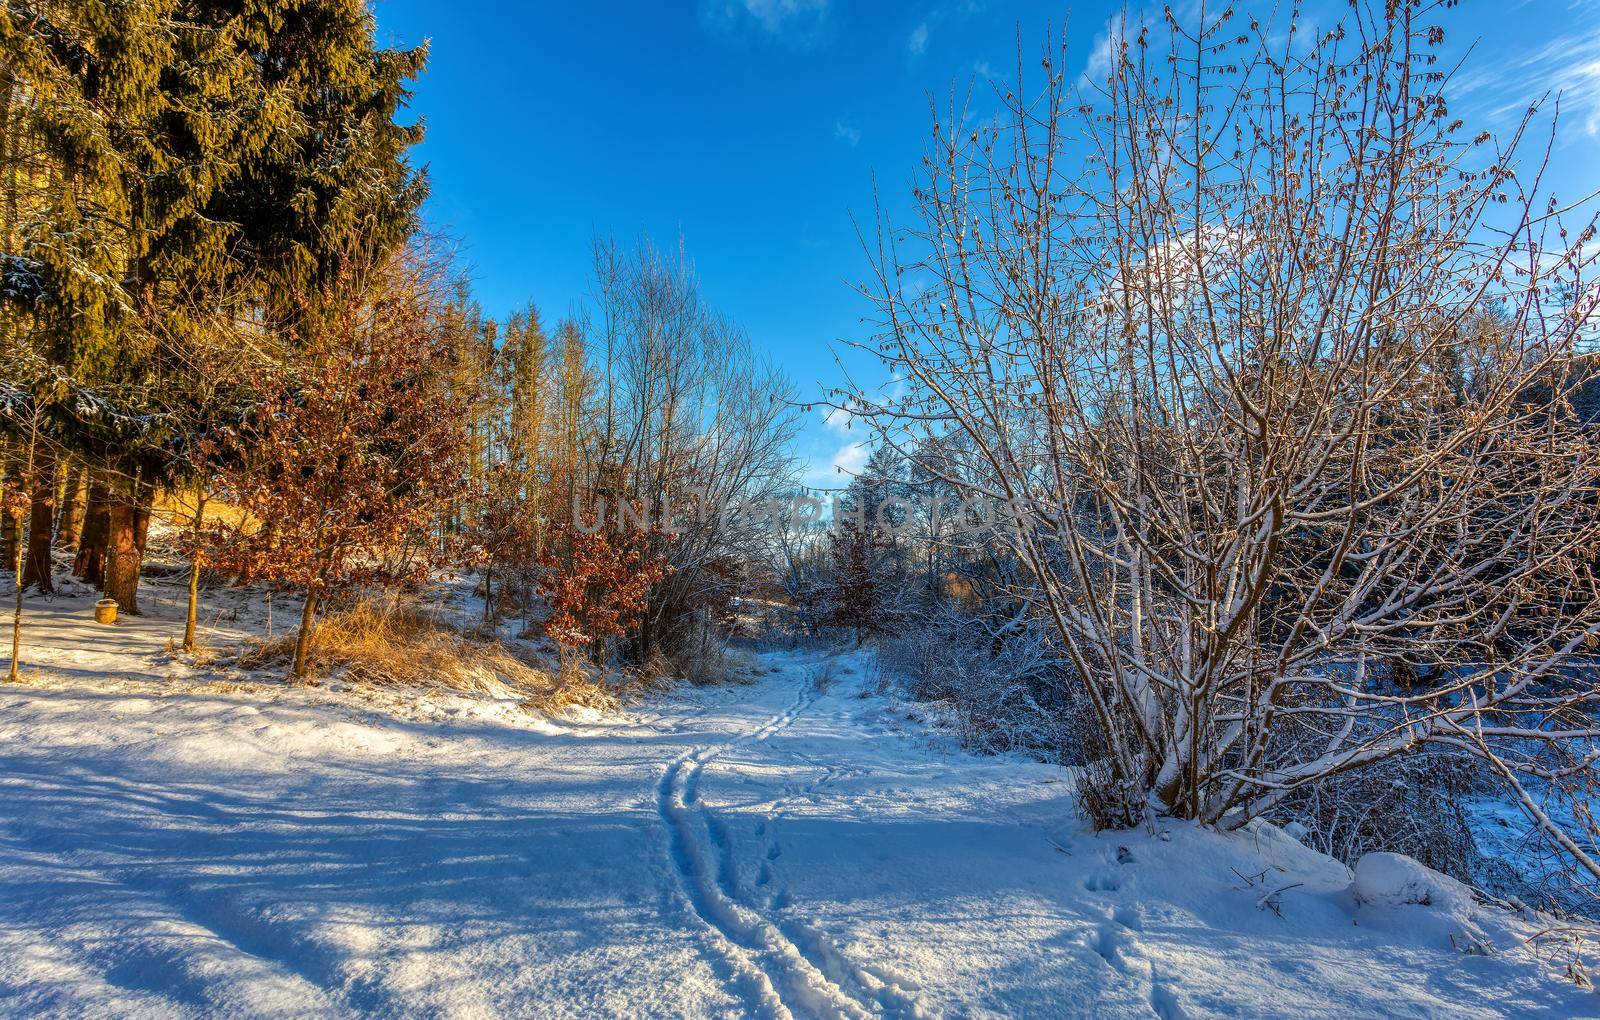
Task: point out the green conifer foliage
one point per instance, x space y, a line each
169 168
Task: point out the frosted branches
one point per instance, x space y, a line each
1277 367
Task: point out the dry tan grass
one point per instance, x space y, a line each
177 506
399 643
716 666
202 654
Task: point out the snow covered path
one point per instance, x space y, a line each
798 847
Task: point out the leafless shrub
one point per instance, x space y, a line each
1249 337
1411 805
709 664
1011 696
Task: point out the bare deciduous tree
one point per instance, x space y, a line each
1268 361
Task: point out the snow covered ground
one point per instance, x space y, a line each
172 844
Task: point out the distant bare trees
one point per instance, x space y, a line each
1269 361
690 419
646 405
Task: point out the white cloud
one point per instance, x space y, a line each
896 387
1122 29
843 456
847 133
948 12
1106 46
917 42
833 468
849 460
1501 83
775 17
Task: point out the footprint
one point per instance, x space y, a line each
1165 1001
1127 915
1102 881
1107 942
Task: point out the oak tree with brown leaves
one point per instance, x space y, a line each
353 453
597 584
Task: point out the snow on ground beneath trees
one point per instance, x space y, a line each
175 844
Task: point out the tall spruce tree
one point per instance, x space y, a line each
173 160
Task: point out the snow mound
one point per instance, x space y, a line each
1391 879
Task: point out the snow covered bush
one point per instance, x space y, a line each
1412 805
1392 879
1272 395
1004 696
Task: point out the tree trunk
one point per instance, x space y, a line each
15 672
196 560
302 642
90 565
14 514
37 570
490 617
143 506
10 524
70 519
123 558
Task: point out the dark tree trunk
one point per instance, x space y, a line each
142 508
90 564
37 569
124 558
10 524
70 520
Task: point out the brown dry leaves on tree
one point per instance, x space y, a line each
598 585
353 453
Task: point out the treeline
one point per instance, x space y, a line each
181 183
218 291
607 449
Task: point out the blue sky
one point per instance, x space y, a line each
753 129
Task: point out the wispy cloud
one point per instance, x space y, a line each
1107 47
1502 86
1123 26
950 11
849 134
843 452
917 41
794 19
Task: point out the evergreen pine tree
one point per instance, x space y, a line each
166 162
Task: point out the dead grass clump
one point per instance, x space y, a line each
825 676
202 654
402 644
713 665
